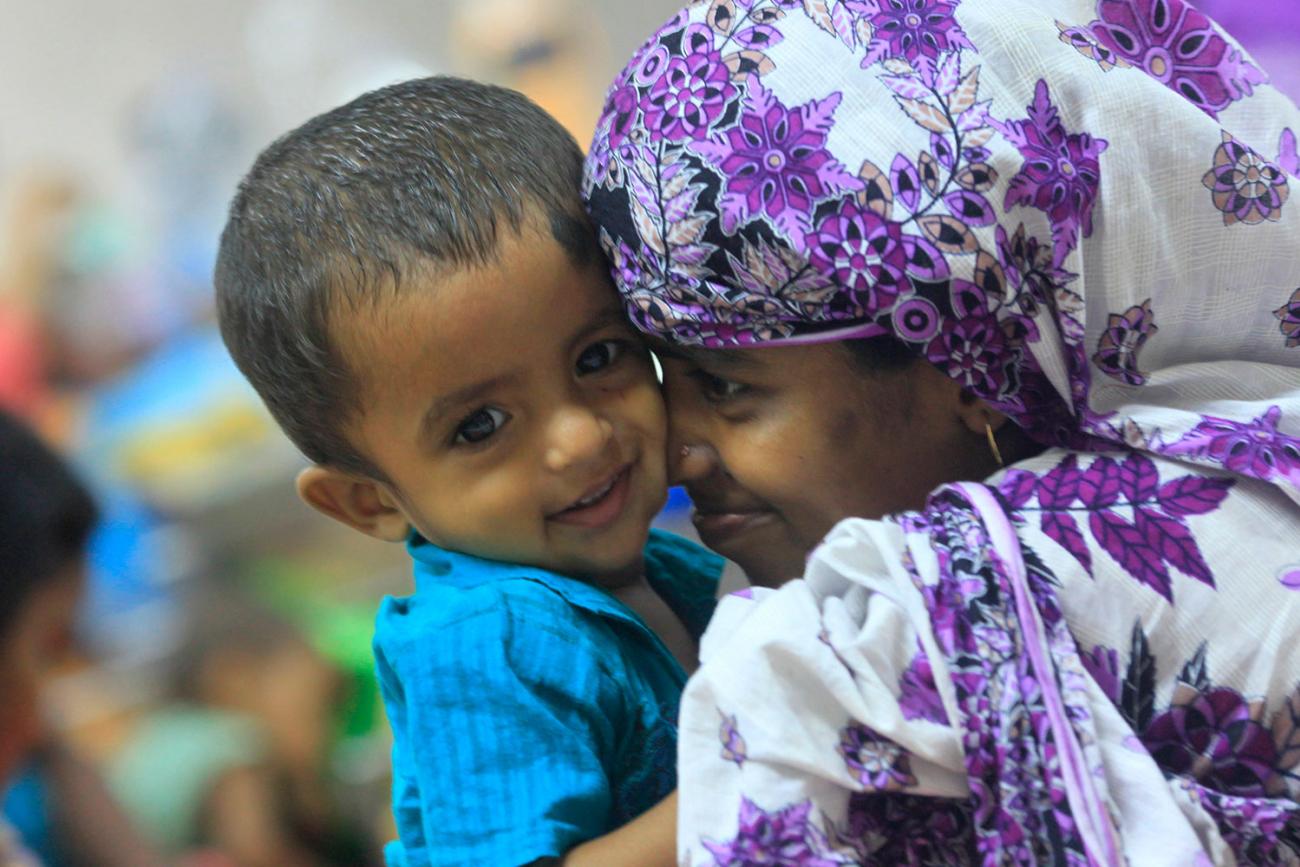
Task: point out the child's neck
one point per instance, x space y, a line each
651 608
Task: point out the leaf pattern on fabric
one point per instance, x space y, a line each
733 745
1288 316
1146 545
1256 448
1082 41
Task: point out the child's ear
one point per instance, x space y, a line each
361 503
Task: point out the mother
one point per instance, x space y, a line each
887 245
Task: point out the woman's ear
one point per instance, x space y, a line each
363 504
976 415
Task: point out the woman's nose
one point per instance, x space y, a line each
577 436
689 462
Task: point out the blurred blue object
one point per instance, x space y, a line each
678 501
26 808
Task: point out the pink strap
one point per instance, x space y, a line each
1100 840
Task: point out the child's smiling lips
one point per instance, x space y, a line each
601 504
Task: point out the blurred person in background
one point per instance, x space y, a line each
46 517
233 765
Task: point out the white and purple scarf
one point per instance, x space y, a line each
1082 212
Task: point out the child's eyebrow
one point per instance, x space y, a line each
443 405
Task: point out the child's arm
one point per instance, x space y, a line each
649 840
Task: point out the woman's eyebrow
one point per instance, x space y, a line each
730 359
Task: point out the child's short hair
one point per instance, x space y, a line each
340 211
46 516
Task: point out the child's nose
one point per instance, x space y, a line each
577 435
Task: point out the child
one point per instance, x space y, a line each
411 286
46 517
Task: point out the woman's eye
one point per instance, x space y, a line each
480 425
600 355
716 389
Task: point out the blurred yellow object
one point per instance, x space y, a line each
185 450
529 45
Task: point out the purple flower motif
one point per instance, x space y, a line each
621 109
875 762
1289 316
1119 344
776 164
864 254
1255 448
971 346
918 31
1246 187
1103 664
780 837
688 97
1179 47
1060 174
1288 158
918 696
1215 737
733 745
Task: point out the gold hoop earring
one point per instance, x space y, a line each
993 444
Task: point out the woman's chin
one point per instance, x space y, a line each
772 569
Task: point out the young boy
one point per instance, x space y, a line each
410 284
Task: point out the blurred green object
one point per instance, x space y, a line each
340 631
173 759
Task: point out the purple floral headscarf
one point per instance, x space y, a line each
1081 211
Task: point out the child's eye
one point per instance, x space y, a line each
480 425
717 389
600 355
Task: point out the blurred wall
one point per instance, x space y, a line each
77 70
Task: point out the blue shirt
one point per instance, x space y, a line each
530 712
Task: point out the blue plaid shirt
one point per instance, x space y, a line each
530 712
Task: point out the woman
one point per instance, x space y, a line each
888 246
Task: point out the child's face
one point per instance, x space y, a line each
33 646
515 411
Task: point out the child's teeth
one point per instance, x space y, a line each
587 501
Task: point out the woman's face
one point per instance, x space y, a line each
776 445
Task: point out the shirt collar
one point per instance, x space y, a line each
683 574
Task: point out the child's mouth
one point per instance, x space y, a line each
600 506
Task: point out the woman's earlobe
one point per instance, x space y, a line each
360 503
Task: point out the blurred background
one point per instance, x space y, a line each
224 650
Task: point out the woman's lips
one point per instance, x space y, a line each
603 511
717 529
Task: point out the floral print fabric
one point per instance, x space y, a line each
1081 211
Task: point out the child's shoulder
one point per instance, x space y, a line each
491 612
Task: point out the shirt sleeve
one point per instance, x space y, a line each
505 722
